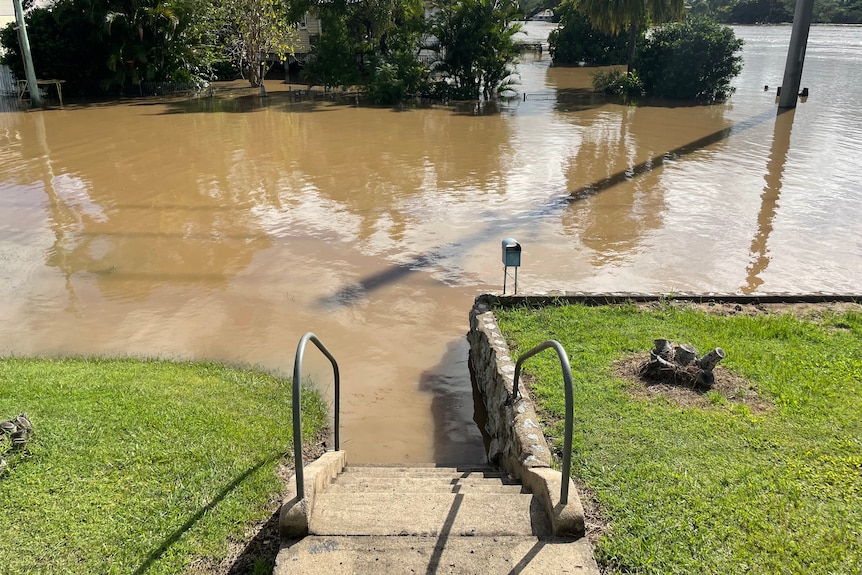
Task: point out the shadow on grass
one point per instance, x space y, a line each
191 521
259 553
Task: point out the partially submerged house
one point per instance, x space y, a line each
310 28
543 16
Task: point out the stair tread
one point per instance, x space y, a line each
345 513
423 486
449 553
349 478
389 471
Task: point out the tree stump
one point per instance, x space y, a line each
680 365
710 360
684 354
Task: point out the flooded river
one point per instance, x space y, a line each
225 228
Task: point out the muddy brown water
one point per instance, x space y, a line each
225 228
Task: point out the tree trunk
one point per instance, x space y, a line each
633 40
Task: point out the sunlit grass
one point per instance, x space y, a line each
139 465
721 488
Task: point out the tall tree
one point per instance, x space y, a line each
613 16
139 36
244 33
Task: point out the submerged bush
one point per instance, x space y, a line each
691 60
616 82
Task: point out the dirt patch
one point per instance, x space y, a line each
811 311
733 388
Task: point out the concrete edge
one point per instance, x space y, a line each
295 514
517 443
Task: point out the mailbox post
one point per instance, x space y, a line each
511 259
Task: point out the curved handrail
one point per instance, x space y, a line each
567 381
297 421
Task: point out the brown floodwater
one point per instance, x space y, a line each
226 227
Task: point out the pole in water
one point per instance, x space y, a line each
29 71
796 54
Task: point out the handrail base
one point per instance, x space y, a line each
295 514
567 520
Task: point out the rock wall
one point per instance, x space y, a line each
516 438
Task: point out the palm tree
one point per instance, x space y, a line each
475 42
140 34
613 16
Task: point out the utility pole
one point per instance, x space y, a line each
796 54
29 71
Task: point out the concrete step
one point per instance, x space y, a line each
423 471
354 478
361 485
445 554
429 514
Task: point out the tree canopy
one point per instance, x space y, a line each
115 45
577 41
475 40
613 16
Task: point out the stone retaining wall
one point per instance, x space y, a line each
516 438
517 442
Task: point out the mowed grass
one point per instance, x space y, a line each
139 466
719 489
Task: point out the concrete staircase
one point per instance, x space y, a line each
373 519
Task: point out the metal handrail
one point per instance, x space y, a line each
297 421
567 380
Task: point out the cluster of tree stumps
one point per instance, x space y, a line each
14 435
680 365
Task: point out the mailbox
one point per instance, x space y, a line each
511 253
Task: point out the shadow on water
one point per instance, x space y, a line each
455 401
670 155
354 292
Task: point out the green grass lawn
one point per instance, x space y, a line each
720 487
140 466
